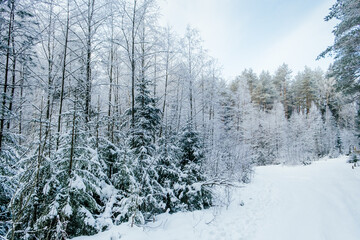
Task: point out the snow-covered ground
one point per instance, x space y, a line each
318 201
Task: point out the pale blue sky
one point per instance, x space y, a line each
261 34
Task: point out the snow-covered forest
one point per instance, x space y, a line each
108 117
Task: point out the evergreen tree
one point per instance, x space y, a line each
17 38
61 196
191 192
28 202
346 44
281 81
169 173
143 149
251 80
264 92
304 89
9 156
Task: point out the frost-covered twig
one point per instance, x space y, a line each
220 182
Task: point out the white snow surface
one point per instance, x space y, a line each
318 201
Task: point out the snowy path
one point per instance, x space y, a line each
319 201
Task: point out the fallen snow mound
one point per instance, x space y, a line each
318 201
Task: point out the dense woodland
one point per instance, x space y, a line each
108 117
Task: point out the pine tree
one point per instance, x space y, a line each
264 92
346 44
251 80
281 81
304 89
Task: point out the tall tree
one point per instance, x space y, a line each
281 81
264 91
346 47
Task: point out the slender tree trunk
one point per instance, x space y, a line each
98 123
117 108
72 144
110 119
179 104
13 80
7 59
91 5
203 105
39 160
190 84
50 63
285 102
133 66
154 95
155 81
63 72
22 76
50 58
165 92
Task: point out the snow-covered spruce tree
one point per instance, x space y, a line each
67 196
122 179
10 152
16 41
169 173
144 186
119 167
190 190
79 177
28 202
9 156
